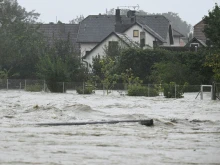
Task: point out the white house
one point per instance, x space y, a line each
97 31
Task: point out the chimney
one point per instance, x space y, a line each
118 21
118 16
131 15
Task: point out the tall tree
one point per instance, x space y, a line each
212 28
20 42
60 64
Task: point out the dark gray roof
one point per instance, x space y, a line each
157 23
153 33
60 32
177 34
95 28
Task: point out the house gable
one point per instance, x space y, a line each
196 42
123 40
149 38
99 48
198 31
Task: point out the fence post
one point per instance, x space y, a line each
175 91
44 86
103 89
20 86
148 90
63 87
83 87
213 91
7 84
25 85
201 95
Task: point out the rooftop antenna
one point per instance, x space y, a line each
134 7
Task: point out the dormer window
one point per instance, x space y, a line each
136 33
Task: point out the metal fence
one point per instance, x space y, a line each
148 90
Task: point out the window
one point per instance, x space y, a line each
113 48
113 45
136 33
194 45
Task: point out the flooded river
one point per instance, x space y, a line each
185 131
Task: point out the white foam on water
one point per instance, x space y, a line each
186 131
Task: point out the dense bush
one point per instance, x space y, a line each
172 90
34 88
138 90
162 66
56 87
86 90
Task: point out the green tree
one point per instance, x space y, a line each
213 61
212 28
60 64
20 42
140 61
109 78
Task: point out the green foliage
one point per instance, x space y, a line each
140 61
139 90
20 42
181 67
166 71
109 79
212 30
34 88
172 90
3 74
155 66
97 67
129 78
213 61
85 90
61 64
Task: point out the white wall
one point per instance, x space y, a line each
176 41
148 37
86 47
168 40
100 49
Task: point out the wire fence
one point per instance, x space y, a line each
148 90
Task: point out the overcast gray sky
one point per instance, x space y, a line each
190 11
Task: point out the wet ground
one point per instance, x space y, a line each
186 131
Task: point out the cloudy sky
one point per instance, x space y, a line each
190 11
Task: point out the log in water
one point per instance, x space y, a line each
149 122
